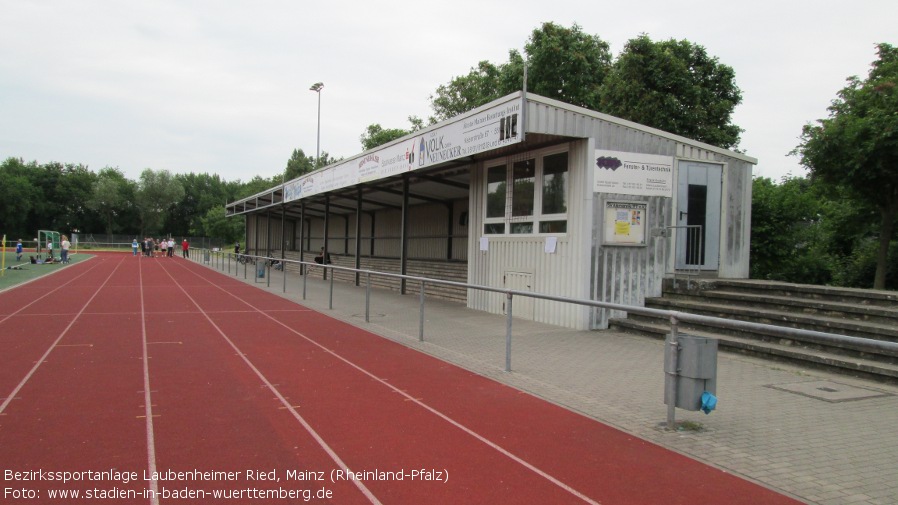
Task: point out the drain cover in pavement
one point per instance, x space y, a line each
829 391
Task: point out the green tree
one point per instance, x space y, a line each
73 191
674 86
18 199
563 63
299 164
157 192
788 238
201 193
216 224
111 197
463 93
376 135
856 147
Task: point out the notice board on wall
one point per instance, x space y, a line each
625 222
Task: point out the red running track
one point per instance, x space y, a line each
140 380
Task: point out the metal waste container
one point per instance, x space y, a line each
260 269
696 371
206 254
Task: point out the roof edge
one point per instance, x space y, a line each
638 126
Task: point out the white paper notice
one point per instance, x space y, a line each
551 244
484 243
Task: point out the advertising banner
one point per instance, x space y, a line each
489 129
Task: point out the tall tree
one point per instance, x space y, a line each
787 236
675 86
201 193
112 196
563 63
157 192
463 93
299 164
376 135
18 198
215 223
857 146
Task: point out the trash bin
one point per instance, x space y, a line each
206 254
696 371
260 269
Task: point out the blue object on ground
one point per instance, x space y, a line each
709 402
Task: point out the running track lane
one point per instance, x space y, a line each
226 397
384 406
76 408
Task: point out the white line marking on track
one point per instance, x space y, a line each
48 293
43 358
423 405
147 398
330 452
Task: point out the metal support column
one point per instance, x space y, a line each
450 207
403 245
358 234
327 215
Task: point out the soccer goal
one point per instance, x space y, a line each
48 242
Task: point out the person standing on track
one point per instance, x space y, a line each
171 247
64 255
50 248
19 250
185 249
134 246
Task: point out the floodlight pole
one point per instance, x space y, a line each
317 89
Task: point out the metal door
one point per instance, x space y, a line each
522 306
698 215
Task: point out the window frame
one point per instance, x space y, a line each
536 218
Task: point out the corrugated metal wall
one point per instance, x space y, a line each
259 225
628 274
428 225
564 273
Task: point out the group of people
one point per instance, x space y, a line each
153 248
64 246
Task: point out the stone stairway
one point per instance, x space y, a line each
854 312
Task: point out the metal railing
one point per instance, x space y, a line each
222 261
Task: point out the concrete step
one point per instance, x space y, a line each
810 306
881 298
841 326
781 351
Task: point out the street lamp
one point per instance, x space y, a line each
317 89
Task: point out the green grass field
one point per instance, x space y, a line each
14 276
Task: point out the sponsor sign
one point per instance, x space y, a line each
633 173
489 129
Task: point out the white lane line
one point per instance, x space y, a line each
147 397
43 358
286 404
48 293
36 279
410 398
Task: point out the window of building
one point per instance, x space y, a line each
537 202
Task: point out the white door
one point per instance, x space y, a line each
522 306
698 215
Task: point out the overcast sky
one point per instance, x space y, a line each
223 86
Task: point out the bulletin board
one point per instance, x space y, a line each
625 223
